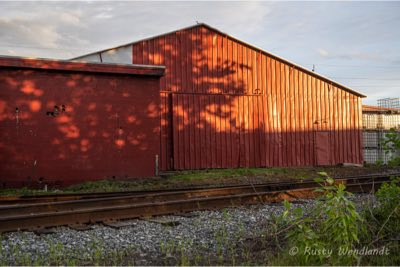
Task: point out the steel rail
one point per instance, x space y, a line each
161 196
127 210
46 198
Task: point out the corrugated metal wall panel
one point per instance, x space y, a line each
76 122
166 148
240 140
233 106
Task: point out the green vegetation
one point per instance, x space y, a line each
24 191
334 233
294 173
391 144
318 237
220 173
59 254
383 224
178 179
100 186
208 177
331 224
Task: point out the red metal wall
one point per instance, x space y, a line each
107 123
226 104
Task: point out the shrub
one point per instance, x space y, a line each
333 225
383 224
391 144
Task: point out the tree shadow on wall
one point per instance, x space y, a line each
63 128
226 105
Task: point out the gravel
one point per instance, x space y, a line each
148 241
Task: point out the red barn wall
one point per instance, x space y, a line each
106 126
226 104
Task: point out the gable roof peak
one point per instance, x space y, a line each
202 24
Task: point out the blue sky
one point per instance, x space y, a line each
354 43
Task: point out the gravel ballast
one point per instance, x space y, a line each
148 242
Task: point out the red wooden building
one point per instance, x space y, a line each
228 104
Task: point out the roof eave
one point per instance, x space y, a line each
66 65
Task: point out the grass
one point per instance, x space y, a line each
24 191
220 173
206 177
178 179
182 251
57 254
101 186
288 173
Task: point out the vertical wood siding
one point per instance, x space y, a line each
225 104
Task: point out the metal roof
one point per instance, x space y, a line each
368 108
67 65
239 41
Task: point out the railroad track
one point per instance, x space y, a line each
80 209
51 198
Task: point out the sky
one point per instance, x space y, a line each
354 43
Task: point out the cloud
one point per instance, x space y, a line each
71 18
396 61
349 55
322 52
90 26
20 31
331 35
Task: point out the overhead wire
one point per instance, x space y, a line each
369 79
386 86
357 66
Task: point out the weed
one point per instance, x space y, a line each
332 224
383 224
391 144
